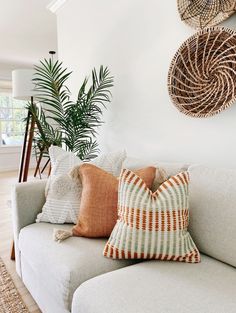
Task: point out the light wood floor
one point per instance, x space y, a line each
6 181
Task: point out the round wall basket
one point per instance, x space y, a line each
202 75
205 13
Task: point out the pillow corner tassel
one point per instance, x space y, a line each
60 235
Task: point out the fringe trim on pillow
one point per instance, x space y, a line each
60 235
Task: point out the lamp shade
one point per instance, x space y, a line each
22 85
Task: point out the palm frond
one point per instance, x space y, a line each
49 80
85 116
44 131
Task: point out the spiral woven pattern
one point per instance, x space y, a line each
202 75
205 13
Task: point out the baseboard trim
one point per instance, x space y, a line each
12 169
8 169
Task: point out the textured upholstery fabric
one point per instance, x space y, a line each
27 201
213 212
40 288
98 208
152 225
64 191
53 271
161 287
170 168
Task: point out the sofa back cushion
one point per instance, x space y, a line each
170 168
213 211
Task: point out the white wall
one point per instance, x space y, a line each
137 40
10 158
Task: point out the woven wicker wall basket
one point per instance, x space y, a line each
202 74
205 13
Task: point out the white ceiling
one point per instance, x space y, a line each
27 32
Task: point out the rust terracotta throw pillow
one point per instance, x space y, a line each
98 208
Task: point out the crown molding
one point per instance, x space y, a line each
55 5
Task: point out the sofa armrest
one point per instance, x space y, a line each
27 201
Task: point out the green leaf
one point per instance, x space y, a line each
60 120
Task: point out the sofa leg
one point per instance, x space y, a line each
12 251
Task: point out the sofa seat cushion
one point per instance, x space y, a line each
157 287
61 268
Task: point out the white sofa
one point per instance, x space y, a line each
73 276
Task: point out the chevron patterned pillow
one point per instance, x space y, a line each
152 225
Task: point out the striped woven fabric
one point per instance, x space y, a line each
152 225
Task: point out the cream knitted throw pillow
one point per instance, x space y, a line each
63 191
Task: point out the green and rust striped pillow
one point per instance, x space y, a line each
152 225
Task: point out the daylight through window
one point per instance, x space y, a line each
12 113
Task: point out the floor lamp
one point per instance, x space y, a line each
23 89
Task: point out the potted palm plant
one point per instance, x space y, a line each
63 122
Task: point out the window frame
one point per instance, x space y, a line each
6 88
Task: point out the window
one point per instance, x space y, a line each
12 112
